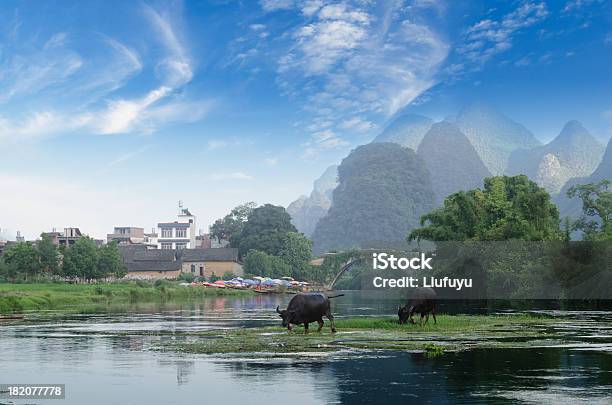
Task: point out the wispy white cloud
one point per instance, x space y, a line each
120 116
490 37
66 88
273 5
356 59
40 124
575 5
357 124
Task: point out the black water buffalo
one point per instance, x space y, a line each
305 308
423 302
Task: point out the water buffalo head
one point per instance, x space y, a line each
403 313
286 315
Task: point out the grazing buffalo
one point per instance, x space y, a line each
306 308
423 302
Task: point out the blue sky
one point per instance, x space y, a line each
110 112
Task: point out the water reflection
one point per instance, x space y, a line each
107 358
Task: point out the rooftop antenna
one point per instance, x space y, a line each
180 207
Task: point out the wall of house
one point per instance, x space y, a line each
187 268
219 268
152 275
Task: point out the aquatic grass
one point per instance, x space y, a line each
26 297
444 322
385 333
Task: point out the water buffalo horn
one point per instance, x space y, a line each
278 310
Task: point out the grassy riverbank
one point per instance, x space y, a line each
25 297
450 333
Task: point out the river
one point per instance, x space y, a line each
109 358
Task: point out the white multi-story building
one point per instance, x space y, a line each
180 234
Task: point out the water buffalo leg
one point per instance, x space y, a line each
320 322
289 327
305 327
421 320
433 312
331 320
426 318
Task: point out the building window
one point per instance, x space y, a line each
193 268
166 232
166 245
181 232
181 245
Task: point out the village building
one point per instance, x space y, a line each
206 262
150 264
132 235
179 234
66 238
126 235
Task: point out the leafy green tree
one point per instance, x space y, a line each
230 226
49 255
266 229
259 263
256 263
278 268
297 253
596 221
81 260
5 273
506 208
23 259
110 262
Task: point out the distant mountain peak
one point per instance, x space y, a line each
406 129
451 160
573 153
574 131
307 210
493 135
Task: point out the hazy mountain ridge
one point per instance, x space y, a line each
382 192
573 153
493 135
452 161
573 207
407 130
306 211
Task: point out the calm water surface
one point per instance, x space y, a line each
108 359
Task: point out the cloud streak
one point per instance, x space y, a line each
68 90
355 63
489 37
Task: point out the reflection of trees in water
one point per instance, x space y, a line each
466 377
398 379
515 371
